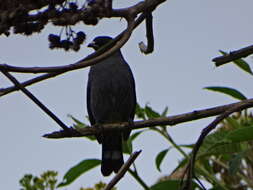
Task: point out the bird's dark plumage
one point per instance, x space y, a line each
111 98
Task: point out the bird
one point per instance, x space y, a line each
111 98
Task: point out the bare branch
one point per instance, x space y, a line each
5 91
78 65
35 100
234 55
150 36
160 121
122 170
235 108
131 14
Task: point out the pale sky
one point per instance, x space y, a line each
188 34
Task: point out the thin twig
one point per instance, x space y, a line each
236 108
35 100
233 55
160 121
122 170
146 49
4 91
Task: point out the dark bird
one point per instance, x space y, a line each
111 98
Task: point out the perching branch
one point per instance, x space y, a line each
235 108
233 55
122 170
35 100
160 121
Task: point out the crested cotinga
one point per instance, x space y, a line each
111 98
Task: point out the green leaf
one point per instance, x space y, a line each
136 134
228 91
181 163
190 146
171 185
80 125
127 145
240 63
77 123
224 142
78 170
216 143
165 112
233 123
220 149
234 164
140 112
159 158
240 135
150 112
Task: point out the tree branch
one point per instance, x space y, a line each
131 14
160 121
19 12
122 170
234 55
150 36
7 90
4 91
78 65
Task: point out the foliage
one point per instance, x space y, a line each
98 186
46 181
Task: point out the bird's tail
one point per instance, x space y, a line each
112 156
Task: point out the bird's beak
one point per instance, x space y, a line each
92 45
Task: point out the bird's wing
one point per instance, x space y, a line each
91 117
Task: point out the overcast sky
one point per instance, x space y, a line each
188 34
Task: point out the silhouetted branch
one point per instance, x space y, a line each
128 13
160 121
78 65
5 91
235 108
233 55
17 13
146 49
122 170
35 100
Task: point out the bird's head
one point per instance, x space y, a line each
99 41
